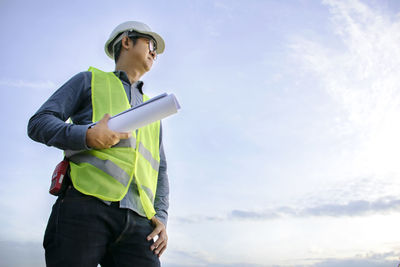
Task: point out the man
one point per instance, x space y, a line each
116 201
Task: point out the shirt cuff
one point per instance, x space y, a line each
78 137
162 216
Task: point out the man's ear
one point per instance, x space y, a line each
125 42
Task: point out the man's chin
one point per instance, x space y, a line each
147 67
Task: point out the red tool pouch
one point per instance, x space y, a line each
57 179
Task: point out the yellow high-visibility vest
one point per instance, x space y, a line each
108 173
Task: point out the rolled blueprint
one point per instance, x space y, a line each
154 109
150 111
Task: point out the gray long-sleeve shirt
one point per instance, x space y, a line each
73 100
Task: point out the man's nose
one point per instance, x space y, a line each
153 54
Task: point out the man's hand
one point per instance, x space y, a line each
159 230
100 136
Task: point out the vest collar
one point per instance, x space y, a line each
124 77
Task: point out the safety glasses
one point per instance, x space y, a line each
151 42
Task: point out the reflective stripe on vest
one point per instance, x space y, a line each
108 173
130 142
106 166
111 169
147 155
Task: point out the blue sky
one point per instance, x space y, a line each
285 151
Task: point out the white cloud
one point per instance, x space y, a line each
359 71
28 84
32 254
359 197
369 260
352 208
363 79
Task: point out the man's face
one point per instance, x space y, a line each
141 54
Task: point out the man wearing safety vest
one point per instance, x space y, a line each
116 200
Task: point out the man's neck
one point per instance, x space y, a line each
133 73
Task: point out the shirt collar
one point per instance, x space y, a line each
124 77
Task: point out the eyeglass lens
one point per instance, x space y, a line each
152 46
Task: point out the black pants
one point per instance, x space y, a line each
83 232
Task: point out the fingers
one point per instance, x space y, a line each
115 136
162 250
113 140
105 119
124 135
107 139
101 137
153 234
160 245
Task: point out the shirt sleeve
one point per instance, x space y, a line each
48 125
161 201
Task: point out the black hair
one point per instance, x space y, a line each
118 46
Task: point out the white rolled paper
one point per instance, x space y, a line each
154 109
149 112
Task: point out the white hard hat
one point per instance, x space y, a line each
132 26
